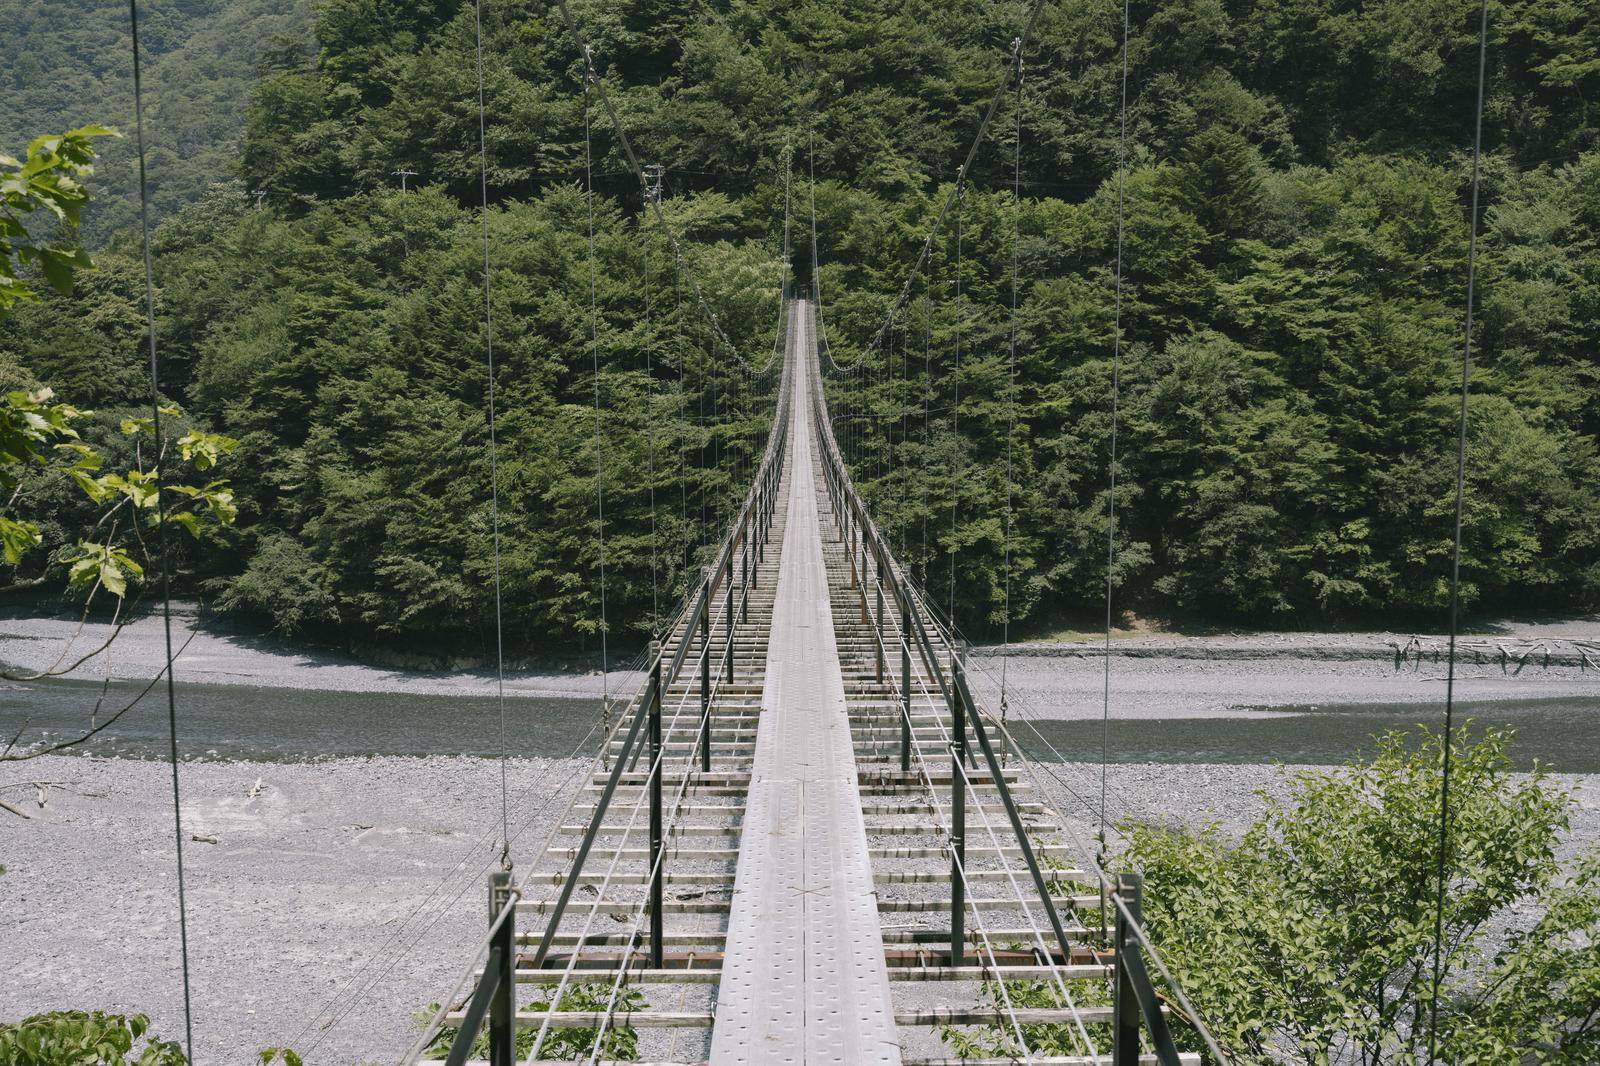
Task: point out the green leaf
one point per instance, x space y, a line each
17 538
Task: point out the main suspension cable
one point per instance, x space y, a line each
927 432
161 521
816 273
638 171
1455 558
650 438
955 423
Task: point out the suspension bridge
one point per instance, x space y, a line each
808 842
804 839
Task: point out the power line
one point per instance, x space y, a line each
1018 45
638 170
1011 387
955 418
594 352
650 432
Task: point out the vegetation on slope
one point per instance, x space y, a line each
69 64
1295 282
1309 938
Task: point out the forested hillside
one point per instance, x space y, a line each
67 63
1295 264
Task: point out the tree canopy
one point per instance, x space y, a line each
1294 254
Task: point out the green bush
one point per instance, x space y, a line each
85 1038
1310 939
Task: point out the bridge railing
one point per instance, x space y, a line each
1136 998
731 574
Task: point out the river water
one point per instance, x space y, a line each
275 724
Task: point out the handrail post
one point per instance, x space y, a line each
1125 1036
658 872
905 682
603 804
864 613
958 830
753 546
997 775
744 603
727 673
503 1007
879 641
705 690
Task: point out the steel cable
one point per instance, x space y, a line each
161 522
594 352
1116 396
1011 385
1455 557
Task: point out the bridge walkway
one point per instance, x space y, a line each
810 900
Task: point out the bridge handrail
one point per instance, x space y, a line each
695 607
958 697
661 674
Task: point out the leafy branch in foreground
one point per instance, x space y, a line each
49 183
40 439
92 1038
41 443
1310 938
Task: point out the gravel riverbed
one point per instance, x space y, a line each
353 889
213 654
314 889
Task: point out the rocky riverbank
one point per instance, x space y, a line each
1162 676
329 901
211 654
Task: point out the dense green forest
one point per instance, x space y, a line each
1295 266
69 64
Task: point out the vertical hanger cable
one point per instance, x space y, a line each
1455 558
161 523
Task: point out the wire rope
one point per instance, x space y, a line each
162 540
1116 397
728 613
1455 557
1011 386
1019 44
927 431
494 446
626 144
650 437
958 452
903 644
959 863
594 352
340 1005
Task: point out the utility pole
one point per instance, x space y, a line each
260 195
403 175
